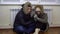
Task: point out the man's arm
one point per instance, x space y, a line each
21 19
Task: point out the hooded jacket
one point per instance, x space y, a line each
23 19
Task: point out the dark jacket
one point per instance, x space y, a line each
23 19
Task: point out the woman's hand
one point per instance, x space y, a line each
35 17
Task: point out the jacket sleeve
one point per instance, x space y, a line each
22 21
44 19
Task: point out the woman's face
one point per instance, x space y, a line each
38 10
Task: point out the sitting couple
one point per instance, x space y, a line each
27 20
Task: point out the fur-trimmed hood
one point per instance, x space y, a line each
25 6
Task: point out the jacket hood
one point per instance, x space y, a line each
27 4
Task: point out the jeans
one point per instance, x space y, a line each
23 29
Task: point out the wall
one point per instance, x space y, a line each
5 15
55 16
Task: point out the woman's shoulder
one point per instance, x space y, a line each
44 15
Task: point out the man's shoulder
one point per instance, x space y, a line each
20 13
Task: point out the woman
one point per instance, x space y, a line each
23 22
41 18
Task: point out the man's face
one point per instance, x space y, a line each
38 10
28 10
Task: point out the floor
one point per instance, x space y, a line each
50 31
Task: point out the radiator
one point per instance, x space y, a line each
13 13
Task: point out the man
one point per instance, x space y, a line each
23 22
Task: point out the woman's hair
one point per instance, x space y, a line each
41 8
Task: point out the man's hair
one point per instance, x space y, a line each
27 3
22 5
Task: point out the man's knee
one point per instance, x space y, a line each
19 28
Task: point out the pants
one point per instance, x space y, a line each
23 29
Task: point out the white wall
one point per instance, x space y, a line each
5 15
55 16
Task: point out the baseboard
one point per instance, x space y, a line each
54 25
9 27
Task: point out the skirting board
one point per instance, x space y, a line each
8 27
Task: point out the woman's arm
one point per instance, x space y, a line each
43 20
